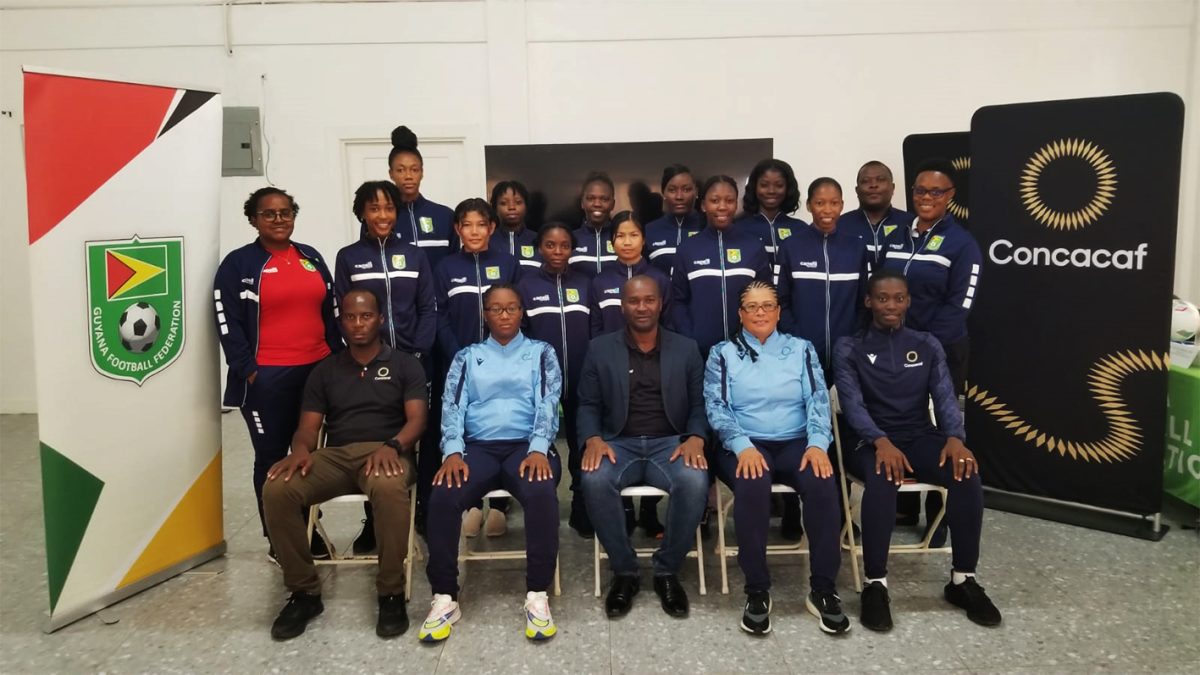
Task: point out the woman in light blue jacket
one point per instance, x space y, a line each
766 398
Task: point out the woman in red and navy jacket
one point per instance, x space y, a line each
426 224
680 218
557 301
510 201
823 275
713 267
593 249
276 319
398 273
772 195
629 242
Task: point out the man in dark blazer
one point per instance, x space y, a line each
641 422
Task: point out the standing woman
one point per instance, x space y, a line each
510 201
593 252
399 275
713 267
766 398
680 218
556 300
498 428
427 224
276 312
629 242
772 195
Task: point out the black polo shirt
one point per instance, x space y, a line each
364 403
647 415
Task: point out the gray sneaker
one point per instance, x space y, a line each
827 607
756 620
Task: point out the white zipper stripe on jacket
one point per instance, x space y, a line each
387 287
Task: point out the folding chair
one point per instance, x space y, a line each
647 491
335 558
853 512
466 554
724 552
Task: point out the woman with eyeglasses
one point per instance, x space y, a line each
499 421
275 309
766 398
557 301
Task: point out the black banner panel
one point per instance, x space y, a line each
955 147
1074 206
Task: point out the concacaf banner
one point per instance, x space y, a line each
1074 204
122 183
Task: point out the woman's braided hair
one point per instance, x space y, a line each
737 338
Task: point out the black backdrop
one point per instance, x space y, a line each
954 146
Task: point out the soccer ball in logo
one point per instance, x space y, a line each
138 326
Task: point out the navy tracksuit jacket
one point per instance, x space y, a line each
711 269
666 234
856 222
459 283
399 274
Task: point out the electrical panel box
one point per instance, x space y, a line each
241 144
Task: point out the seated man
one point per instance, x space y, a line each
885 377
372 399
641 421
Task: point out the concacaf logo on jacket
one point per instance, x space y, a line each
135 300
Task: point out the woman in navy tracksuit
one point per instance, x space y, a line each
510 201
593 240
713 267
460 280
629 244
772 195
276 319
822 275
557 302
400 277
766 399
427 224
680 218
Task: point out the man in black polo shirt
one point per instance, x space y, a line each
372 400
641 421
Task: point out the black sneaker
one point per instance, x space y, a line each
318 548
393 619
876 614
756 619
364 544
827 607
969 595
295 615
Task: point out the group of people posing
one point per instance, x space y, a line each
700 345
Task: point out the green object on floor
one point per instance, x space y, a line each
1181 463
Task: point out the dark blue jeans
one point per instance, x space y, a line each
493 466
752 513
645 461
964 506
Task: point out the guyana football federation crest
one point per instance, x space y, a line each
734 255
135 301
572 295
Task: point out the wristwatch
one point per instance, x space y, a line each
394 444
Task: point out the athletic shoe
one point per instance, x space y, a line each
443 612
295 615
539 625
471 523
827 607
876 614
318 548
393 619
756 619
364 544
970 596
497 523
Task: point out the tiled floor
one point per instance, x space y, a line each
1074 600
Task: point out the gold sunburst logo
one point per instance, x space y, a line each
1106 184
961 166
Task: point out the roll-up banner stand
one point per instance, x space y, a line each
123 183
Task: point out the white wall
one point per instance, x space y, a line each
834 82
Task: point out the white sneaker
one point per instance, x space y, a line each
539 625
471 523
497 523
443 612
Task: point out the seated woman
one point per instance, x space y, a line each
499 420
886 375
766 398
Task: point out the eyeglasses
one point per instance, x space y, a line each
756 307
281 214
497 311
936 193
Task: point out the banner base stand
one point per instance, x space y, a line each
1149 528
55 622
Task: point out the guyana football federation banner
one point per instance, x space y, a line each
953 146
1074 206
122 183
